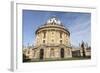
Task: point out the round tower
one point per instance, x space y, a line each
52 40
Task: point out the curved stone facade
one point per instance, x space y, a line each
52 35
52 41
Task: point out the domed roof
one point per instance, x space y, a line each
53 20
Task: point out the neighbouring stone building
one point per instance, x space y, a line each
78 51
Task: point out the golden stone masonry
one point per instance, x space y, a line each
52 42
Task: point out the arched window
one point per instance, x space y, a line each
44 34
43 41
60 41
41 53
60 34
52 40
62 52
52 32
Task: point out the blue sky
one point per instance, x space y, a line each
79 25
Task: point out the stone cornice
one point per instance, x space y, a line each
55 27
51 45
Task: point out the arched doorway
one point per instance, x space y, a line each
41 53
62 53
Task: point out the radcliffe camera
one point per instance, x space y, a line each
56 36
